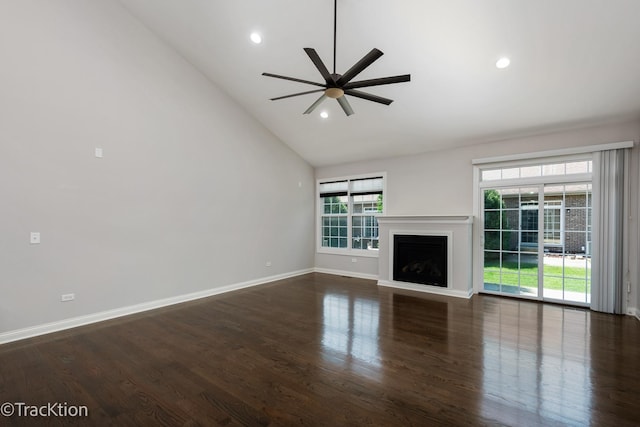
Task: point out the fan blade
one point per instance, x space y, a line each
368 96
315 104
315 58
297 94
367 60
293 79
345 105
378 82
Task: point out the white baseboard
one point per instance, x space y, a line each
427 289
74 322
346 273
632 311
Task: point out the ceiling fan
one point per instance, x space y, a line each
335 85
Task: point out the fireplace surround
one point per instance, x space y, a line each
435 245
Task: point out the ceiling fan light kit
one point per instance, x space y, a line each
335 85
334 92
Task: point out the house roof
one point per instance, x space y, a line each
573 63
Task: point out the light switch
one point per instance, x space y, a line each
35 238
99 152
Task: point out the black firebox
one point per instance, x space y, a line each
420 259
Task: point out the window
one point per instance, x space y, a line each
529 224
566 168
553 223
348 213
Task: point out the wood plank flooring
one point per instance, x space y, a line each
322 350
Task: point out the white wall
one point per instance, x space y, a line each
192 193
634 255
441 182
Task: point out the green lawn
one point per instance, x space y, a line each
574 277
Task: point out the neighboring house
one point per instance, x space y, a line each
567 221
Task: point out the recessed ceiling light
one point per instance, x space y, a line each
324 114
256 38
503 62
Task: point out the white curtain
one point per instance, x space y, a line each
607 290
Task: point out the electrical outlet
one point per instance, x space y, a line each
67 297
98 152
35 238
268 263
354 259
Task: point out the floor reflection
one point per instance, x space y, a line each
428 318
350 328
531 362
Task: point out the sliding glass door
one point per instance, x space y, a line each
567 230
537 241
511 235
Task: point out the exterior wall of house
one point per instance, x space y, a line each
576 235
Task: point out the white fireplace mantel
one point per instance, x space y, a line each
458 230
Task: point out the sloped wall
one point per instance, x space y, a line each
191 193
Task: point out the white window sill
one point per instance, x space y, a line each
372 253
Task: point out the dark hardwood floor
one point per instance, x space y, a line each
321 350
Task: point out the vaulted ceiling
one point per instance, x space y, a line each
573 63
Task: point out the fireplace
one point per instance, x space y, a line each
420 259
449 238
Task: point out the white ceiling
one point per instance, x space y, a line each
573 62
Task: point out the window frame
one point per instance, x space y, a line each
548 207
349 250
480 185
